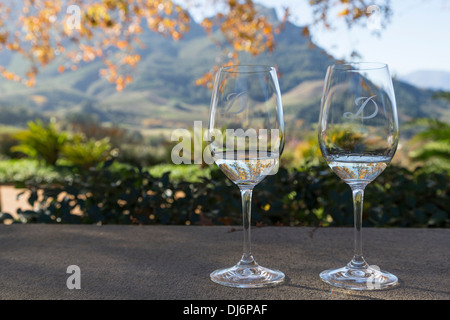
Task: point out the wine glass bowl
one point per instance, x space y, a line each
246 130
358 137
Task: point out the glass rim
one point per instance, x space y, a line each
359 65
247 68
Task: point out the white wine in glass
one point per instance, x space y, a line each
245 170
246 128
358 136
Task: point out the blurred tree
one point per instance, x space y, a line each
374 14
434 148
82 31
442 95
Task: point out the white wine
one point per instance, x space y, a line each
245 170
357 169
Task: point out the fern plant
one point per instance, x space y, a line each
86 153
41 141
434 149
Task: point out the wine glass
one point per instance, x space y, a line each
246 127
358 136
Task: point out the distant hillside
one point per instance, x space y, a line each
429 79
163 93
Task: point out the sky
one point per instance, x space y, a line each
416 38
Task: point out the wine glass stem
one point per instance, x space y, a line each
246 195
358 198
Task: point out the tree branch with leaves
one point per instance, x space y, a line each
45 31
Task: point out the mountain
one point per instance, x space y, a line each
163 93
430 79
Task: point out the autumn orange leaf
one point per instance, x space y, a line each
344 12
305 32
7 75
121 44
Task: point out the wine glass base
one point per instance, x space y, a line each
362 278
247 277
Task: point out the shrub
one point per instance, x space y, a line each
86 153
310 196
7 141
44 142
41 141
434 149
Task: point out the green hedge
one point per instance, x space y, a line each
310 196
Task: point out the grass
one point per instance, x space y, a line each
19 171
187 172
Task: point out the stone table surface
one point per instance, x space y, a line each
119 262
